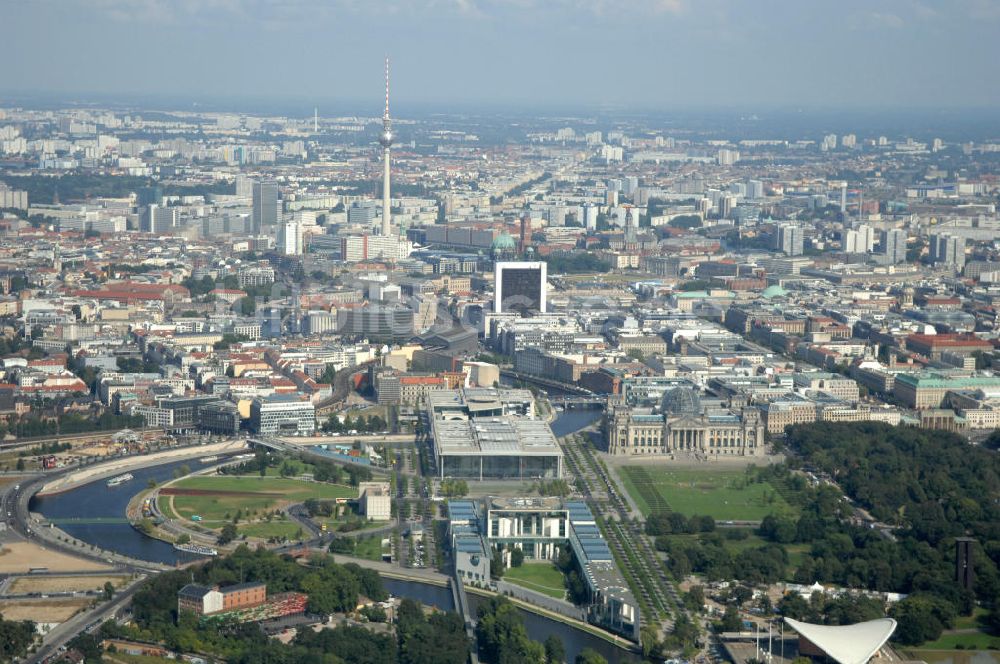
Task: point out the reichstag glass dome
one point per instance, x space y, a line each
681 401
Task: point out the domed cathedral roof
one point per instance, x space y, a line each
504 246
504 241
774 291
681 401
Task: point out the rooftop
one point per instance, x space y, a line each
847 644
499 436
533 503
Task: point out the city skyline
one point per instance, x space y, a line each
647 55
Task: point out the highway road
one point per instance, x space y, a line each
88 621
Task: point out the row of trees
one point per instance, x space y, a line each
452 488
322 471
501 638
31 425
361 424
565 262
81 186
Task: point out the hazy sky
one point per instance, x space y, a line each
640 54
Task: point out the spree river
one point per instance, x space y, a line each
539 627
574 420
95 513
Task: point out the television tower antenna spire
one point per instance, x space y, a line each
385 116
385 140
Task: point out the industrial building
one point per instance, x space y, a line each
243 602
204 600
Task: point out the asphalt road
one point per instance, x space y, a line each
89 621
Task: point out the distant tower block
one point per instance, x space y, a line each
385 140
964 573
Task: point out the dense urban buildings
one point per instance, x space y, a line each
580 361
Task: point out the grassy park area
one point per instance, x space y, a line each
721 494
347 523
968 633
369 547
542 577
267 529
963 641
219 498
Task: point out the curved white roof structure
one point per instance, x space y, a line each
847 644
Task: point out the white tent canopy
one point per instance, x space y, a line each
847 644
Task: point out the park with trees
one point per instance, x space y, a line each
332 588
876 508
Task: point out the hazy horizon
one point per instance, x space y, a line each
636 56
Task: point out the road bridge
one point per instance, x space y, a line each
304 448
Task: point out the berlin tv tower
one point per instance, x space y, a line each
385 140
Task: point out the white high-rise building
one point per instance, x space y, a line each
612 153
726 205
290 237
727 157
11 198
861 240
790 240
244 186
159 219
851 242
866 238
354 248
948 250
755 189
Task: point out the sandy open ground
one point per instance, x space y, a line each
66 584
120 465
19 557
42 610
